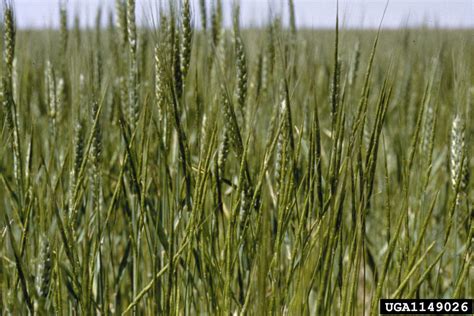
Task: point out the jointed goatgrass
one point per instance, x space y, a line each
199 171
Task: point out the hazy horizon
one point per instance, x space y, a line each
309 14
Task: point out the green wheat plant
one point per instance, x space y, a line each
184 167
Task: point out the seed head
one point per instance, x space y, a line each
63 27
241 72
121 20
459 158
202 7
186 40
9 40
131 26
43 277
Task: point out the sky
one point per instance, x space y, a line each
309 13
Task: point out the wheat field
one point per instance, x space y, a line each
183 169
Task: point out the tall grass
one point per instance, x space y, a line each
183 170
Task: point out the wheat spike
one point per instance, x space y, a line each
458 155
121 21
186 40
43 277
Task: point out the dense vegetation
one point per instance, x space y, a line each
193 169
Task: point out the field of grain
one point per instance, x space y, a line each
186 169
